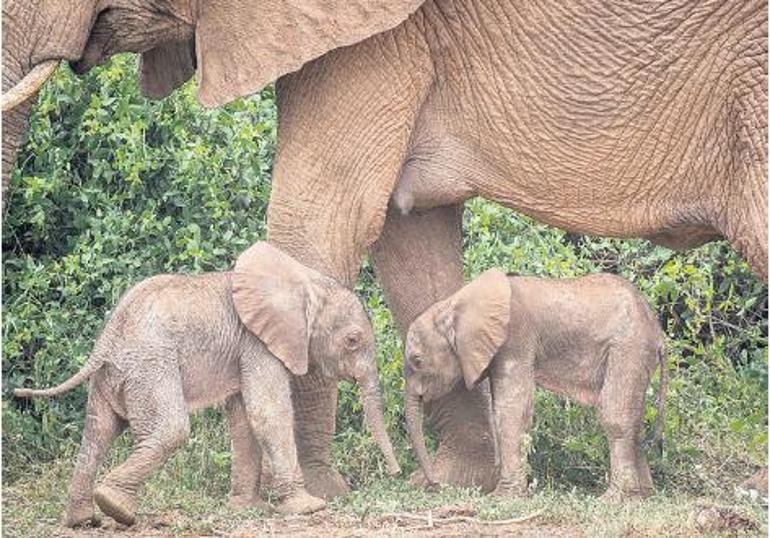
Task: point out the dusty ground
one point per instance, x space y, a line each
446 521
328 524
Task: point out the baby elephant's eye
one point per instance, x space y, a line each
352 341
416 360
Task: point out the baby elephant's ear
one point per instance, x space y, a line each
482 310
273 295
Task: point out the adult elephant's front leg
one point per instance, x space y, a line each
337 161
418 260
315 409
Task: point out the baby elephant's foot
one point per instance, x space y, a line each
301 502
248 501
510 489
118 505
81 516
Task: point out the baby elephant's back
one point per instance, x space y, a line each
625 293
623 306
188 317
602 307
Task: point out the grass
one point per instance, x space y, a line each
175 504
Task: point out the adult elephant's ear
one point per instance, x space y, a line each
166 67
277 300
477 322
242 45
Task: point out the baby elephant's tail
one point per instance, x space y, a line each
660 402
93 364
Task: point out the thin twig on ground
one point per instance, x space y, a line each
432 521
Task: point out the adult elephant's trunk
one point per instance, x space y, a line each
14 129
371 398
16 105
413 412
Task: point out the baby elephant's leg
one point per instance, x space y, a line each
246 458
621 409
266 391
101 427
513 390
157 415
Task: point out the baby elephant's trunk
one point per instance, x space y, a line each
371 398
87 371
414 426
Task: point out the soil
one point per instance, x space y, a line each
329 525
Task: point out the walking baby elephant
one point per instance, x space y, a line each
593 339
178 343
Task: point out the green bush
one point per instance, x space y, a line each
112 188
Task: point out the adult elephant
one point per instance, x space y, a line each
629 119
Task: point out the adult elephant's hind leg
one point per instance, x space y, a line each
747 232
744 221
418 260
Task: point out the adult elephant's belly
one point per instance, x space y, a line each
584 198
640 123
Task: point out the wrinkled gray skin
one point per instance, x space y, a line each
592 339
624 119
175 344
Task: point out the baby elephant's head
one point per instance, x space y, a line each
310 322
453 340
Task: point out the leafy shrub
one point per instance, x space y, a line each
111 188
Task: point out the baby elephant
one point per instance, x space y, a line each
593 339
175 344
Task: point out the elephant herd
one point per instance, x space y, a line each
623 119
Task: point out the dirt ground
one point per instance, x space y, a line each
329 525
447 521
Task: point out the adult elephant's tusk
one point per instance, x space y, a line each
29 85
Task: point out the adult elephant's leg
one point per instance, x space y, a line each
418 260
314 399
744 220
345 121
315 409
746 224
